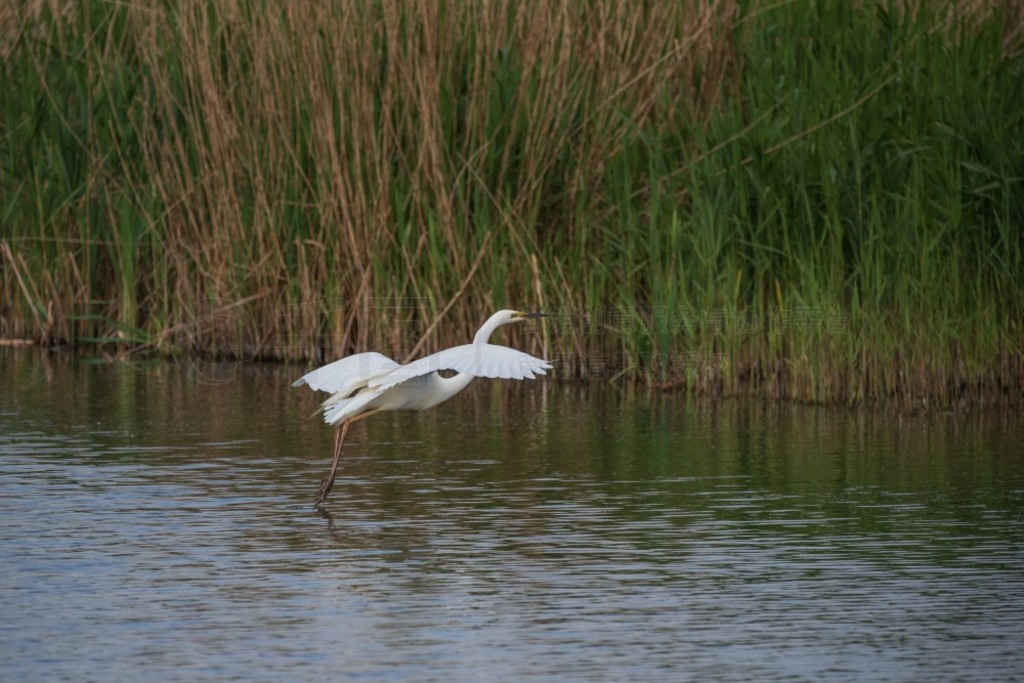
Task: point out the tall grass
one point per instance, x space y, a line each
812 200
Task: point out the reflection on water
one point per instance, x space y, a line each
156 522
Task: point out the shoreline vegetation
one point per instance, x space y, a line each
813 201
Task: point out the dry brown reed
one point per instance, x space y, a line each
297 181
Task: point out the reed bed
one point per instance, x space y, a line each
813 201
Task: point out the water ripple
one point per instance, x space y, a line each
195 553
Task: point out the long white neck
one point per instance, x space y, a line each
488 328
449 386
452 385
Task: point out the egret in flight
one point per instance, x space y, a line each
368 383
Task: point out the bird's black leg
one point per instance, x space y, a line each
328 482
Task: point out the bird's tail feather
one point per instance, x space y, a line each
336 411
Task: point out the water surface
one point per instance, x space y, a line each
156 524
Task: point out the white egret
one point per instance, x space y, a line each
364 384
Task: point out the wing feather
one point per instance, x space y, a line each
348 374
479 360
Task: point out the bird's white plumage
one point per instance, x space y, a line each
478 360
368 382
348 374
338 409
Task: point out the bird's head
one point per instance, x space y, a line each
501 318
509 316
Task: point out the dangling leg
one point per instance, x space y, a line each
339 438
327 483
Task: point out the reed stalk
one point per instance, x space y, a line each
812 201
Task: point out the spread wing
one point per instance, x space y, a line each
348 374
479 360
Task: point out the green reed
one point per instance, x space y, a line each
805 200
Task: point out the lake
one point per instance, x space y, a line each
156 524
